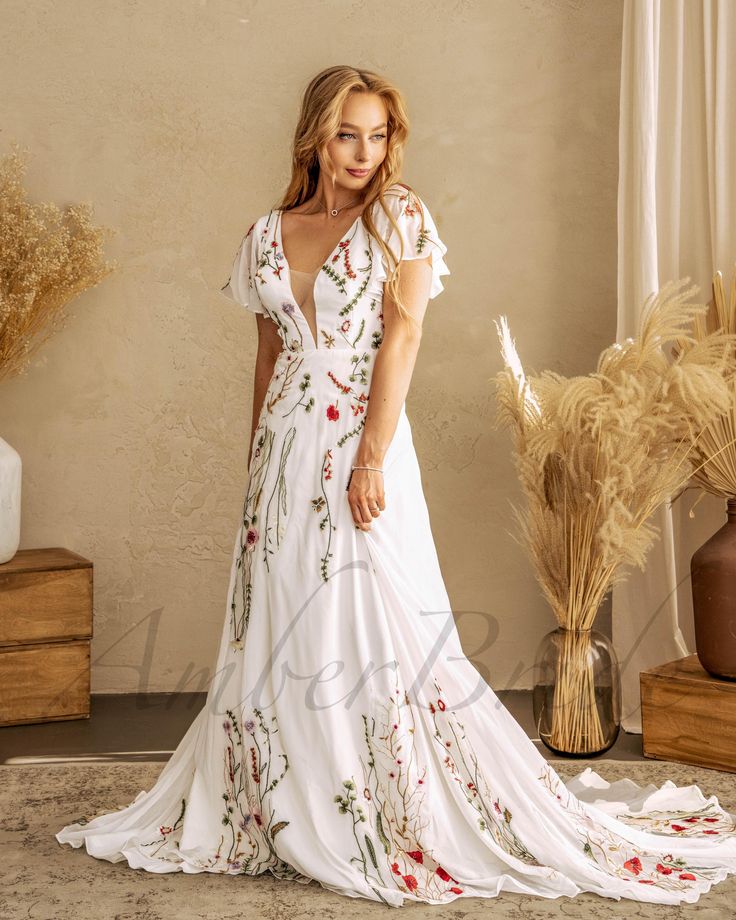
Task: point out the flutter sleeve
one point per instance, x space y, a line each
419 234
241 286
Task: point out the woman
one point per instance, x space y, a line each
346 738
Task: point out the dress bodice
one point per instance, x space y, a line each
302 287
343 297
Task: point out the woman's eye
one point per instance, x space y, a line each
347 134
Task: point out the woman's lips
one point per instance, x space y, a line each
359 172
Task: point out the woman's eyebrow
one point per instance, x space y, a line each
346 124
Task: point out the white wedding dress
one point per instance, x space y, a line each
346 738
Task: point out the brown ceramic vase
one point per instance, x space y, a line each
713 575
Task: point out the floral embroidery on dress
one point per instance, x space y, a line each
276 507
708 820
389 815
350 328
242 593
464 766
252 769
322 503
387 809
621 858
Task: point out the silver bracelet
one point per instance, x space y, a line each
377 469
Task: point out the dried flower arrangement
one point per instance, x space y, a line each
47 257
596 455
713 439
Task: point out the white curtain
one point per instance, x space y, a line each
676 218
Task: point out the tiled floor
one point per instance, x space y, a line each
145 727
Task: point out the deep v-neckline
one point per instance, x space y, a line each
317 273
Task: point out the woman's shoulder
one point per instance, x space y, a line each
258 231
401 200
417 234
263 223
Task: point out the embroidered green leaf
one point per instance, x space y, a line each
383 838
371 851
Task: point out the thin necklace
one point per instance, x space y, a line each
336 211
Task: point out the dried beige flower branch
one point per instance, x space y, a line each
714 440
597 454
47 257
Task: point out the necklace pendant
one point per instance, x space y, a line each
334 212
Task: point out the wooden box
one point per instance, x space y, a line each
45 636
688 716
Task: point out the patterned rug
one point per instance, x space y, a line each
41 880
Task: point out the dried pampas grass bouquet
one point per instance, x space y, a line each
596 455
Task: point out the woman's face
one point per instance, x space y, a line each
361 142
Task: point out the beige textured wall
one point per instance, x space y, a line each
175 119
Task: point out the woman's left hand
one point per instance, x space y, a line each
366 497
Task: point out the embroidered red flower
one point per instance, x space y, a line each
710 819
441 705
665 870
395 868
708 831
333 413
341 246
416 855
678 827
633 865
251 538
411 882
686 876
455 890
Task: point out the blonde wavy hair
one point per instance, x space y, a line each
319 122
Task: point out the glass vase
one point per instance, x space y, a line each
577 692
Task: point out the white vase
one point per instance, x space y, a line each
10 470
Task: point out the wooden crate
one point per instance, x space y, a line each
45 636
688 716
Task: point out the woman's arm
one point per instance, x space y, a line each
390 381
269 346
